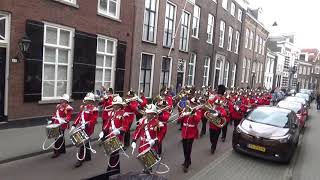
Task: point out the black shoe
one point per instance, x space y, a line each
223 139
78 164
185 169
55 155
88 159
212 151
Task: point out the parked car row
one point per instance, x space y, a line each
272 132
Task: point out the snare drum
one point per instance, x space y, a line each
53 131
112 145
149 158
79 137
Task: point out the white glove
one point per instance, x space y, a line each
186 114
49 122
61 121
101 135
125 114
83 126
139 100
237 108
151 142
133 145
116 132
72 128
215 114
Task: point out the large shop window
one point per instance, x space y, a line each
191 69
56 61
169 25
109 8
105 62
184 33
206 71
146 74
196 21
149 24
165 72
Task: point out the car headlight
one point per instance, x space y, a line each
238 130
284 139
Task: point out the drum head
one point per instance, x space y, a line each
53 125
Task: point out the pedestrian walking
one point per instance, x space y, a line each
318 101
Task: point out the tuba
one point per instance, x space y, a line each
209 115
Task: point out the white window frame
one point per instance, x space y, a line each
222 33
184 71
230 34
233 9
300 69
263 46
70 49
105 54
261 69
251 40
236 49
244 66
239 15
108 14
6 29
225 4
196 19
248 70
247 38
205 81
170 71
184 12
226 73
174 25
152 71
233 74
192 76
256 44
260 45
155 24
210 29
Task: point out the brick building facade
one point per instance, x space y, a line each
76 46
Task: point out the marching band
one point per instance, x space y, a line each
217 108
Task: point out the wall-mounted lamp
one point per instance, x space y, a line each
23 46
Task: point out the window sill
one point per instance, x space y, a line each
109 17
209 43
52 101
168 47
67 3
195 37
183 51
149 42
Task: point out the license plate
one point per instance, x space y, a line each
257 148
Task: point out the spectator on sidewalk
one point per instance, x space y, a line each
318 101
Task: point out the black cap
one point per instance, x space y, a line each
221 89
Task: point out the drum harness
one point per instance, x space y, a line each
85 148
61 121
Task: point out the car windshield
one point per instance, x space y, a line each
296 99
270 116
302 95
295 107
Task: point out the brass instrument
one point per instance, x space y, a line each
209 115
131 99
163 109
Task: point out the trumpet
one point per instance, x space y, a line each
131 99
163 109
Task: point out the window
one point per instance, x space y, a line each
3 28
247 38
196 21
300 69
244 65
308 72
263 46
251 40
165 72
145 83
149 24
233 9
109 8
248 71
206 71
56 61
304 70
191 69
233 74
184 33
260 78
225 4
192 1
255 67
239 15
221 35
260 46
169 25
105 62
230 38
312 70
226 74
210 28
236 50
69 1
257 43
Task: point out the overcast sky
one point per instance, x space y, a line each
297 16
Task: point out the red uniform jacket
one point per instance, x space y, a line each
63 112
144 102
89 115
131 110
169 100
146 130
115 120
223 113
107 101
164 118
237 115
190 125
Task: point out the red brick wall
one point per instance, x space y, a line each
84 18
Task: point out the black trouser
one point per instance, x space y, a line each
60 143
126 137
88 152
224 130
236 123
214 136
113 165
187 148
159 148
204 126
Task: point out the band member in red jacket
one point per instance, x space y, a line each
237 110
86 119
221 112
189 132
62 116
164 116
116 125
131 109
149 130
142 104
106 100
226 104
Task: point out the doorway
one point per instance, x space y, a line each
2 81
180 75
